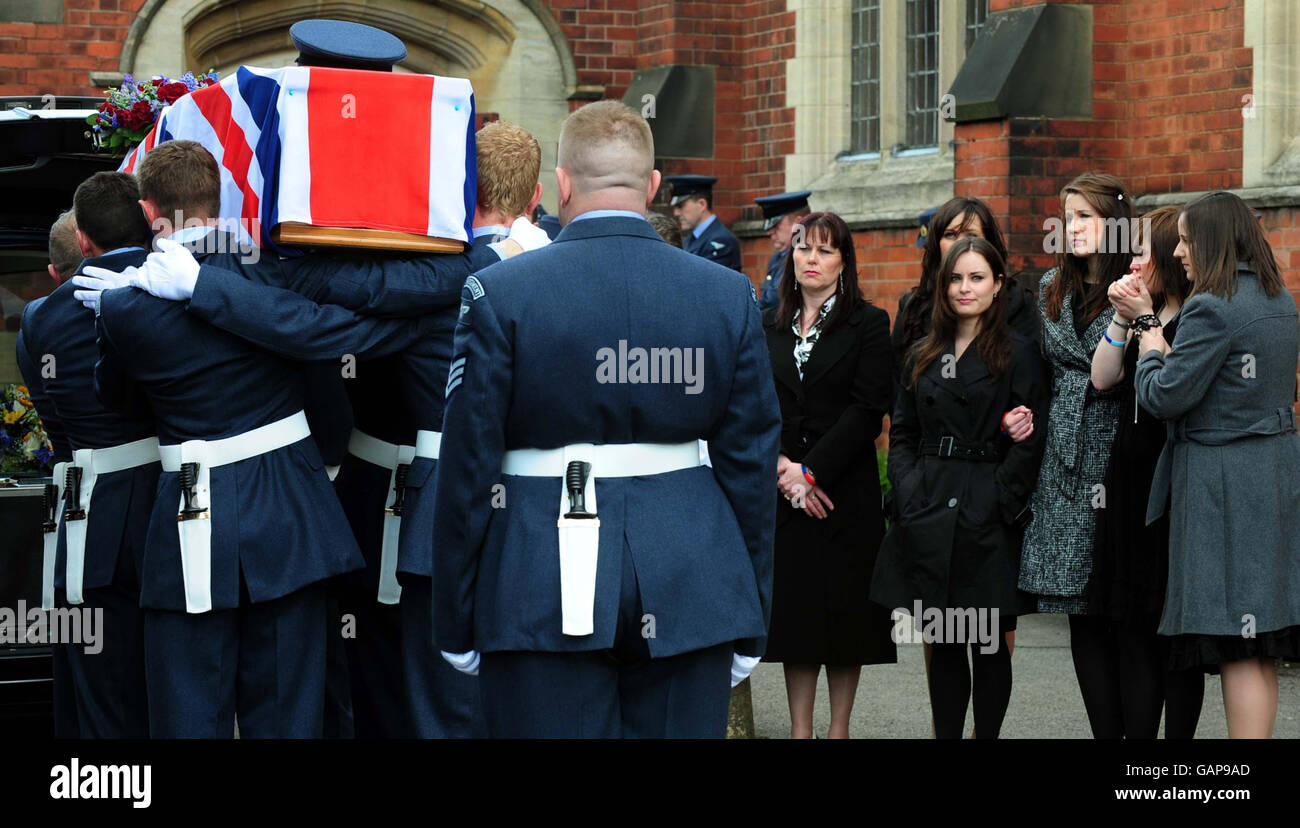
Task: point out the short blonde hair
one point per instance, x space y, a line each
509 163
65 252
607 144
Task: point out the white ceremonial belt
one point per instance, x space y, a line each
194 525
388 456
428 444
609 460
579 537
94 463
51 539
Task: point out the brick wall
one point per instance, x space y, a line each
39 58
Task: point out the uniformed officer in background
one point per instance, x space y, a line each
703 233
780 214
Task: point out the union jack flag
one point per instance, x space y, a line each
333 148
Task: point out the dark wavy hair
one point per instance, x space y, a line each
818 226
1163 225
1223 232
920 306
1105 194
993 339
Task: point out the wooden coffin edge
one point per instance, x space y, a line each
293 232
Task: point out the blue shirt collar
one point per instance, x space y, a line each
122 250
185 235
491 230
702 226
592 214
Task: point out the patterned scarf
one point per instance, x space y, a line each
803 345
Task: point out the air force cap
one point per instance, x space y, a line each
776 206
925 219
691 186
344 45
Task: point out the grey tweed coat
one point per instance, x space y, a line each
1230 471
1057 555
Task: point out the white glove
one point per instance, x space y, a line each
528 235
741 667
169 273
94 280
467 663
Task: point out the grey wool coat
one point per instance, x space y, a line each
1057 555
1230 470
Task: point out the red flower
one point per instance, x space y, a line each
139 116
207 80
171 92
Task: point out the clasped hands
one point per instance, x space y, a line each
1130 299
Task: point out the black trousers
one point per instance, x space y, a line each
1124 681
619 692
442 702
99 687
265 662
951 687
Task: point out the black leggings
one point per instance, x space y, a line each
1124 682
950 688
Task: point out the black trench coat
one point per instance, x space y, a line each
830 420
956 542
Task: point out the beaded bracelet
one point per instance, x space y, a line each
1146 322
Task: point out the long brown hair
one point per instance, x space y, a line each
920 307
993 340
1105 193
833 228
1223 232
1162 223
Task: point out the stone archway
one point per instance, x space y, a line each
511 50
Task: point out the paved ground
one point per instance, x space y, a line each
1045 701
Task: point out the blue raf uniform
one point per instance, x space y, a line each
277 531
120 452
684 557
709 239
399 685
775 208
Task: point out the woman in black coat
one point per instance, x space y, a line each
833 366
962 487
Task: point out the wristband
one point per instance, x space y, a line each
1119 344
1117 321
807 475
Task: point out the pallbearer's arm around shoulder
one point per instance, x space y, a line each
290 324
473 434
743 452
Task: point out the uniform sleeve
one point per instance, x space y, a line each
44 406
287 323
743 451
1017 474
477 403
1171 385
115 387
394 287
859 424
